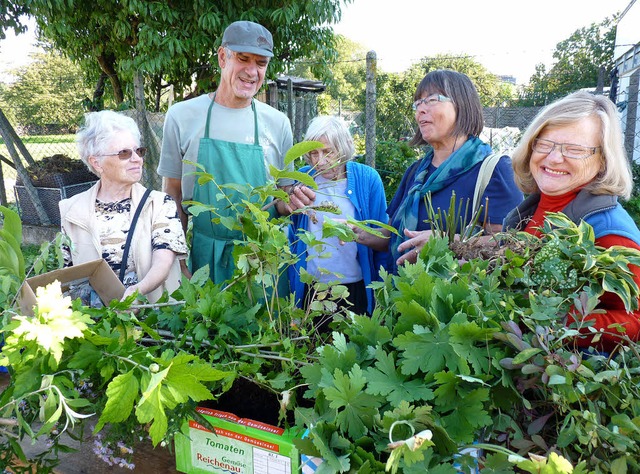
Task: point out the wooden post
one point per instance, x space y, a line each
138 90
3 191
8 133
151 179
600 84
370 111
290 101
272 94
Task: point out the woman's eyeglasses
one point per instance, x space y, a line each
128 152
568 150
430 101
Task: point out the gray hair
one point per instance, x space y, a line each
335 132
614 177
100 128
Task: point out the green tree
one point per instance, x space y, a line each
348 82
48 91
10 13
394 96
343 71
579 60
487 84
175 42
395 117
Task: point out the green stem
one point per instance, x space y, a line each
126 359
273 357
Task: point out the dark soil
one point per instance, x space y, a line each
54 164
247 399
485 249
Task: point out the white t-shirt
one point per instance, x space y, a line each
338 259
184 127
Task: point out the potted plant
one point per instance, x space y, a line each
458 355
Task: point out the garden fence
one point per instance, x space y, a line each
503 129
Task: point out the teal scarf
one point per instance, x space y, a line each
472 152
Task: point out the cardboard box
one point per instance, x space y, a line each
98 272
237 445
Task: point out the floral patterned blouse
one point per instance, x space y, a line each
113 222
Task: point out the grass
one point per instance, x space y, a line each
30 252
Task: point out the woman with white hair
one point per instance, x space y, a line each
571 160
135 230
356 191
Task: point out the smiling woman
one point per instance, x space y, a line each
571 160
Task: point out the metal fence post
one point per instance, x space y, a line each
370 110
632 114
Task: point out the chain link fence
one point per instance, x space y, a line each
504 127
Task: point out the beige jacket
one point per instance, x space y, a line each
78 221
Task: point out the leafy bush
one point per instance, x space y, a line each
633 204
478 353
392 160
458 354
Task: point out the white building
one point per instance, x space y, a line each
627 61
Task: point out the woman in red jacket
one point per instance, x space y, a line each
571 160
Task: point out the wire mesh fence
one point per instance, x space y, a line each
503 129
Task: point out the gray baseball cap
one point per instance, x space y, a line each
248 37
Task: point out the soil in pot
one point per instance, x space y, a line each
247 399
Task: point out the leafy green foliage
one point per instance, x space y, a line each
475 352
48 91
392 160
173 42
149 366
10 17
580 60
12 265
632 206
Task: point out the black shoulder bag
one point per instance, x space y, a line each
132 228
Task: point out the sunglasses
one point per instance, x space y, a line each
128 152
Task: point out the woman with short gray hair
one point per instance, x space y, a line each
135 230
355 191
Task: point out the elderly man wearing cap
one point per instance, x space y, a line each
233 136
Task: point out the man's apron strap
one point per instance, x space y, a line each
256 135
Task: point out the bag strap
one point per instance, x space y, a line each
484 176
127 245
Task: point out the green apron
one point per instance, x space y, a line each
227 162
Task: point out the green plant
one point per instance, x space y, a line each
475 353
392 160
633 204
140 370
12 265
478 353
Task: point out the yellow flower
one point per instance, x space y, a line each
561 464
54 323
51 302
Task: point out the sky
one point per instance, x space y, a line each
15 51
508 37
